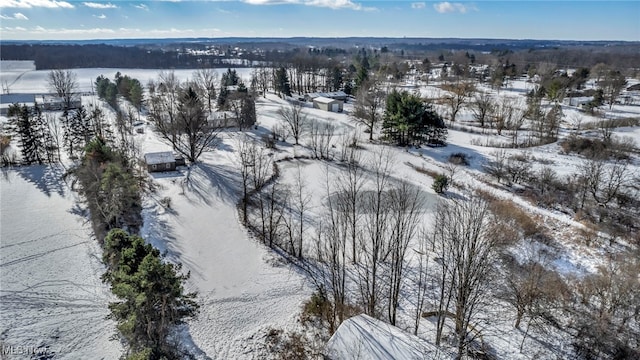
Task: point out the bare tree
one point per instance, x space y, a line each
163 105
206 80
602 180
466 247
608 308
503 114
256 168
405 207
263 78
64 83
533 291
294 118
321 139
373 239
190 133
350 186
514 122
369 105
246 155
421 282
457 97
482 107
611 85
334 230
299 204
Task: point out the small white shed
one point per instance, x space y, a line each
327 104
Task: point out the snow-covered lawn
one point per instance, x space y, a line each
242 287
52 300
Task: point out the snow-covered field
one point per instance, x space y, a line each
52 301
51 292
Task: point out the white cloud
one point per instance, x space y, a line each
16 16
142 7
101 16
64 31
333 4
41 33
51 4
418 5
95 5
13 29
447 7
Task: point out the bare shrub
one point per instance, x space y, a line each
617 148
288 345
459 159
166 202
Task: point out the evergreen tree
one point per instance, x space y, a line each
230 78
78 130
335 83
29 126
150 291
282 85
408 120
222 98
135 94
247 111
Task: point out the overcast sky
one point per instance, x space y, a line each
514 19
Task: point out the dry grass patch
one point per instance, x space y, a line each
512 214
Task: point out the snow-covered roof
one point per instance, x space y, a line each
324 100
581 98
363 337
333 94
159 158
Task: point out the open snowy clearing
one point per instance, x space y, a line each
52 300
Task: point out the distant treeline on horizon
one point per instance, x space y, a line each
189 53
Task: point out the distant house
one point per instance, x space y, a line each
328 104
577 101
223 119
160 161
363 337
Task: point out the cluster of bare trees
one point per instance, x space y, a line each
363 238
606 310
466 250
179 113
